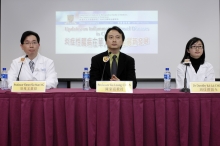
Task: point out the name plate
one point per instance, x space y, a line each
28 86
114 86
204 87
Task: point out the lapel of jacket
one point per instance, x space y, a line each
107 67
121 64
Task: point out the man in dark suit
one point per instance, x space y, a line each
118 66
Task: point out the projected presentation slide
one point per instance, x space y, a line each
82 32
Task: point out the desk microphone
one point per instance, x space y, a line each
185 89
105 65
22 59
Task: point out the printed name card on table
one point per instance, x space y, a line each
204 87
28 86
114 86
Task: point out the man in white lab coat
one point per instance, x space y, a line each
35 66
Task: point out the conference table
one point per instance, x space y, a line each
74 117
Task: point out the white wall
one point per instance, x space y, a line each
178 22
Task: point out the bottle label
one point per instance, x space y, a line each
167 76
86 76
4 76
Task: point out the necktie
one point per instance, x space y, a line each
31 63
114 65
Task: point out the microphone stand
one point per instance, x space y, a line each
104 67
185 89
20 69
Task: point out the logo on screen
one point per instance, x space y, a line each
70 18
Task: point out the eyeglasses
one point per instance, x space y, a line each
195 47
30 43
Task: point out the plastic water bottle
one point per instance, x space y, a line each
167 78
4 78
86 77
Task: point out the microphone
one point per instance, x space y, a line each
185 89
22 59
107 59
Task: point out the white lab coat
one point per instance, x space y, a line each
205 73
44 70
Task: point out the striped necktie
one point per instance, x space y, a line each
31 63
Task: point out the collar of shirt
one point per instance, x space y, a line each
34 60
111 55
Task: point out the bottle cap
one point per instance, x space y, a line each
167 69
3 68
86 68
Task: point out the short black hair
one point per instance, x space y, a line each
28 33
118 30
189 44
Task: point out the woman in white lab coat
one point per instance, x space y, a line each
198 69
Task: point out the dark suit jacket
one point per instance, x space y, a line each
125 72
